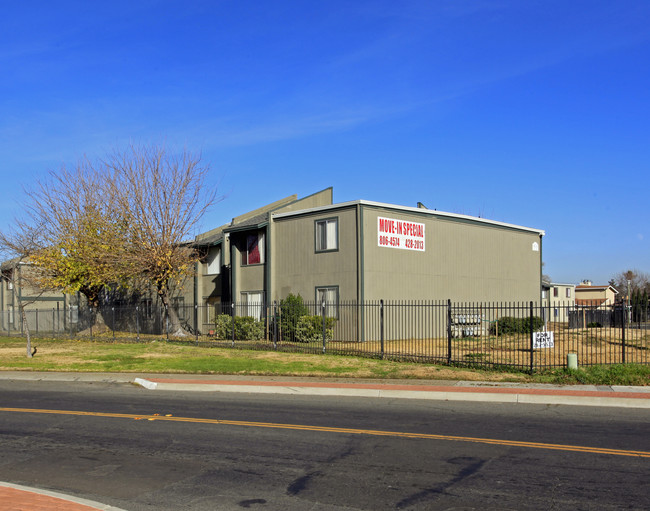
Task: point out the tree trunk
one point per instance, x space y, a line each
92 294
175 327
23 316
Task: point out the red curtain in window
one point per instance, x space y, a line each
253 250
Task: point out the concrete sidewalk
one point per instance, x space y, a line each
579 395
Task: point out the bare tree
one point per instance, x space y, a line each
638 280
161 197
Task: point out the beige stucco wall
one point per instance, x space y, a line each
296 266
462 261
596 294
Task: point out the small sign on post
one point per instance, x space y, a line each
543 340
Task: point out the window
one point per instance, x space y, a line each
329 295
211 309
74 313
252 302
253 251
146 306
7 275
568 292
213 262
327 234
555 292
543 293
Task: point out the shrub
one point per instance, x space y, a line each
247 328
594 324
291 309
510 325
223 326
310 329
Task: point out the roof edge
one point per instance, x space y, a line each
409 209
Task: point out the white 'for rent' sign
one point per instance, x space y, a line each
543 340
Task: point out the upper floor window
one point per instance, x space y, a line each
568 292
555 292
253 252
327 234
213 262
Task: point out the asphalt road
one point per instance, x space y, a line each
140 450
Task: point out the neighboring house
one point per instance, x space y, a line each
588 295
364 251
558 299
17 286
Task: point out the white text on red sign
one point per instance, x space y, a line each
402 234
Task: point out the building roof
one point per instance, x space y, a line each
584 287
407 209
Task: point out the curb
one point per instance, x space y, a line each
624 397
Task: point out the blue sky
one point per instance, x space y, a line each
535 113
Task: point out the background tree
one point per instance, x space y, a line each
637 279
161 197
546 279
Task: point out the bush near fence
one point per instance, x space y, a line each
509 325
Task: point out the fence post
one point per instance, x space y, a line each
167 322
137 324
53 323
113 326
196 323
232 305
448 331
532 335
323 313
275 325
381 326
623 335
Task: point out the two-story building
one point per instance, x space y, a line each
363 251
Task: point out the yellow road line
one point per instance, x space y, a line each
325 429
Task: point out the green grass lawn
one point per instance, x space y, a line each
163 357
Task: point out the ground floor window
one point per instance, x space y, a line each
252 303
74 313
211 310
330 296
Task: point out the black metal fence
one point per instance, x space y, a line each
519 335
